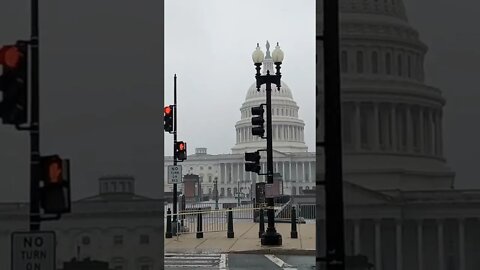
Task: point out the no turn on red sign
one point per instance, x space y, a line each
33 251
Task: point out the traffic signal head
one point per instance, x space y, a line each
168 118
253 164
181 150
258 121
52 170
55 193
13 83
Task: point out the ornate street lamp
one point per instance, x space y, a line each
271 236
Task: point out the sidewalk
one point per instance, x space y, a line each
245 241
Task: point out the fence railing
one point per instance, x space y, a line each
243 211
201 221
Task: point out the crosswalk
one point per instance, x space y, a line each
195 261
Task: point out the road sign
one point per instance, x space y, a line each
175 174
271 191
33 251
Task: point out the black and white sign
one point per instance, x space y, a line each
174 174
33 251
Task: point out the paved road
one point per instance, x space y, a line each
238 262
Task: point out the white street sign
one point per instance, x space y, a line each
33 251
175 174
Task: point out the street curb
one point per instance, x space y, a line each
299 252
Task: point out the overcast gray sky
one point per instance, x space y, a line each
209 46
102 93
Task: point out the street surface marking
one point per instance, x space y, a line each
223 262
202 261
279 262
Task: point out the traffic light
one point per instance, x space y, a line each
253 164
181 150
55 193
14 83
258 121
168 118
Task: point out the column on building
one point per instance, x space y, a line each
393 127
222 172
420 244
356 237
440 239
376 128
398 238
429 132
303 171
230 165
311 176
440 133
408 112
437 133
290 170
421 140
357 126
461 243
378 245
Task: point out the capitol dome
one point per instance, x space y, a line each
284 92
391 120
287 128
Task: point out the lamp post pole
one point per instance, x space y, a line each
271 236
215 182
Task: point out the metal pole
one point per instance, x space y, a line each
270 211
238 193
175 112
271 237
216 194
35 125
333 140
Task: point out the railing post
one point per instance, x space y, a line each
230 233
294 233
168 234
199 226
261 223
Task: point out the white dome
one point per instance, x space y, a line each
284 91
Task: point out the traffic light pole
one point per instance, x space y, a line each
271 236
35 125
175 111
334 216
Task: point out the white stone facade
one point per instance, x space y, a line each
115 226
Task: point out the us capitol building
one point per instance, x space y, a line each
401 207
402 210
291 158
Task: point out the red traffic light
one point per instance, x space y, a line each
52 169
181 146
167 110
55 172
10 56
